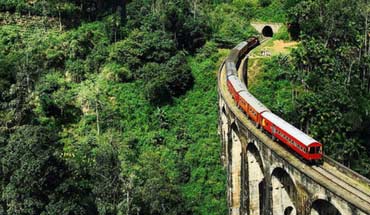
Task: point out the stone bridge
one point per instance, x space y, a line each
264 178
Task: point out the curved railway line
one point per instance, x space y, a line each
335 177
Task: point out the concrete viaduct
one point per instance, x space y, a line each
265 179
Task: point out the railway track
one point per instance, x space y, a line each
324 170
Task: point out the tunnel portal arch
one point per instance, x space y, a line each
267 31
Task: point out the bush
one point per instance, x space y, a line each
265 3
166 81
116 72
282 34
142 47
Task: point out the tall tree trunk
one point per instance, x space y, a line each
366 77
97 117
121 8
60 20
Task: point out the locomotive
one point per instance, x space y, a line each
303 145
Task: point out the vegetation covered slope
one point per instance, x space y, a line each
110 107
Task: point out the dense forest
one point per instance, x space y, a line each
110 107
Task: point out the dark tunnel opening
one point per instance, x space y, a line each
267 31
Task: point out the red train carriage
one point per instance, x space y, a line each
252 107
235 87
301 143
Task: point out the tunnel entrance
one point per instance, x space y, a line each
267 31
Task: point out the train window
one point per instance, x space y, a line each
312 150
318 149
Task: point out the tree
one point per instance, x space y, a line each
265 3
158 190
108 180
32 168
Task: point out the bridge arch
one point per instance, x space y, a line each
267 31
255 180
284 192
235 149
323 207
289 210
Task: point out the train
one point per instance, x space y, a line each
304 146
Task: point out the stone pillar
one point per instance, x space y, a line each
236 171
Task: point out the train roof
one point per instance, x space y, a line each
252 38
230 68
255 103
237 84
240 46
233 56
290 129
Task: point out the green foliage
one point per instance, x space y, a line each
152 57
34 173
329 26
143 47
273 12
288 4
116 72
115 115
108 183
282 34
265 3
172 79
228 29
70 12
185 24
274 89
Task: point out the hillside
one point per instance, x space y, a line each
110 107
